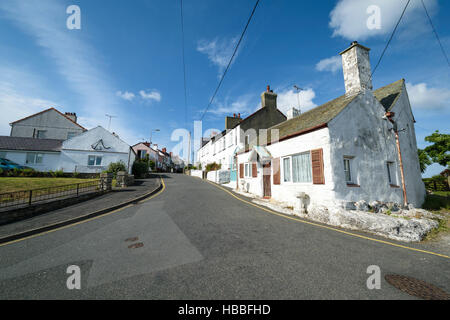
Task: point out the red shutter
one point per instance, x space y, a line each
276 171
241 171
317 166
254 170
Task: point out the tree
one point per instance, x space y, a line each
439 151
424 160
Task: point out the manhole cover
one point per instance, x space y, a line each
417 288
136 245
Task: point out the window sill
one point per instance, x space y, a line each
395 186
353 185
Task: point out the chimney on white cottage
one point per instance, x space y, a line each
357 71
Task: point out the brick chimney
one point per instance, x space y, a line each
269 99
72 116
357 71
231 122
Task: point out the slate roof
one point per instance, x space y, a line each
388 95
30 144
322 115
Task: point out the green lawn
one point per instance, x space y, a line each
19 184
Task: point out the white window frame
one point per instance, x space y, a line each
38 158
96 157
43 132
248 170
350 161
291 169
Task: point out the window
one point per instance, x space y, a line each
287 169
247 140
248 170
70 135
391 173
348 170
41 134
34 158
301 168
94 161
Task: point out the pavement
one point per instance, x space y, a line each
194 240
111 199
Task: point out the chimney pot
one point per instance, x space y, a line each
268 88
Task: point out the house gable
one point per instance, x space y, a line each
96 140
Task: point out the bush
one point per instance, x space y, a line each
436 183
115 167
140 169
213 167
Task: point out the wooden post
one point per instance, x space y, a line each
31 197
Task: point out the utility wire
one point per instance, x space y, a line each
390 39
435 32
231 60
184 66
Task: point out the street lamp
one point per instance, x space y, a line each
151 136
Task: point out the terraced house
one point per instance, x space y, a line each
359 146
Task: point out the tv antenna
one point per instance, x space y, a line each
110 117
298 96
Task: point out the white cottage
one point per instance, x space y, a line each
93 150
343 151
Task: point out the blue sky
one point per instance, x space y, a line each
126 60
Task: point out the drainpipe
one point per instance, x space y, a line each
390 116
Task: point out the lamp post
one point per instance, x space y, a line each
151 135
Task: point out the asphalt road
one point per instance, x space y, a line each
195 241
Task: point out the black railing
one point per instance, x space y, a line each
29 197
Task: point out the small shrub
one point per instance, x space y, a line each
213 167
140 169
115 167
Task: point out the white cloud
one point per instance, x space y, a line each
152 95
423 97
126 95
241 105
349 18
219 51
332 64
76 61
289 99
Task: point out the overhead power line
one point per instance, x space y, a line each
435 32
392 36
231 59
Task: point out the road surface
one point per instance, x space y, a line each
196 241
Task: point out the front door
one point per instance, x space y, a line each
266 180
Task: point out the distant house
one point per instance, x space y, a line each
47 124
90 152
142 149
39 154
342 151
239 133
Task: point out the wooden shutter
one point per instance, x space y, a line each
241 171
276 171
317 166
254 170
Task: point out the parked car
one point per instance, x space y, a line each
6 165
